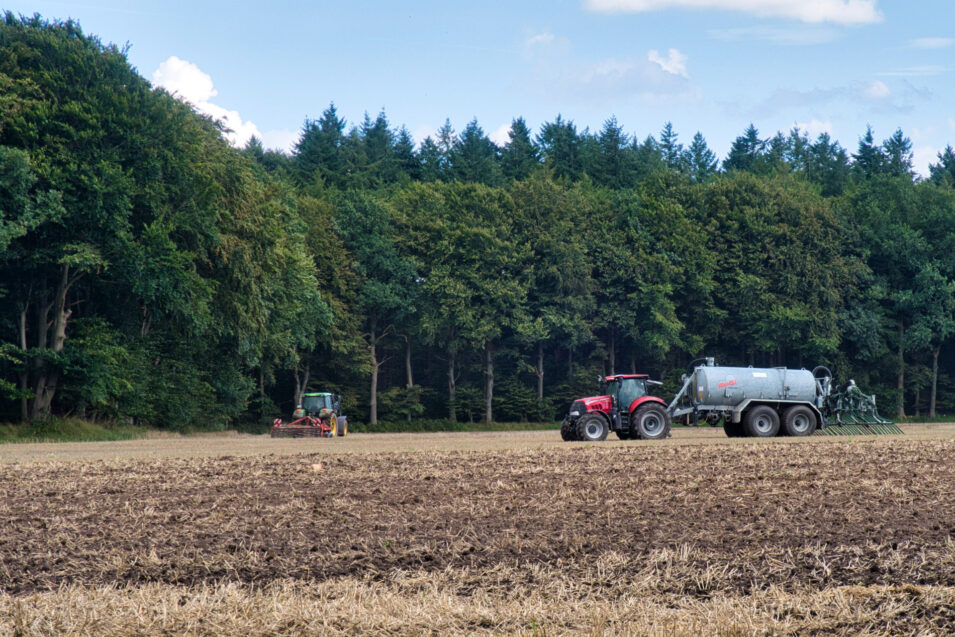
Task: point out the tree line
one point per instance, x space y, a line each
150 272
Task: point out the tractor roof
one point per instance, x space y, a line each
619 376
321 393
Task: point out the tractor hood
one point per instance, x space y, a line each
597 403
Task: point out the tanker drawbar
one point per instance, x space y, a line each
765 402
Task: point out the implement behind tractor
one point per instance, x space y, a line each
318 416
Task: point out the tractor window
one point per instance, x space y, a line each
315 404
630 390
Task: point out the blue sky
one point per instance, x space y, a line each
713 66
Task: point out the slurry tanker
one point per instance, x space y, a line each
757 402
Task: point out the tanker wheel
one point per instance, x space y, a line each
568 431
592 428
761 422
649 422
799 421
733 429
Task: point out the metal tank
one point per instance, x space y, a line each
729 386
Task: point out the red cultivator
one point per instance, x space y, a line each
304 427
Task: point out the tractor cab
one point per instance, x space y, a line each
318 405
623 389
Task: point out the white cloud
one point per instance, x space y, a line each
814 128
188 82
796 35
932 43
423 132
916 71
876 91
614 80
184 80
922 157
815 11
501 135
283 140
674 64
539 39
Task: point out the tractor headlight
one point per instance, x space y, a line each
575 413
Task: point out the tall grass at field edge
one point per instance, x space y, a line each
68 430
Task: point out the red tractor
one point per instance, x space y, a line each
626 408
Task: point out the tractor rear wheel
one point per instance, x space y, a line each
568 431
592 428
799 421
649 421
761 422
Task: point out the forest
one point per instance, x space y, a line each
150 273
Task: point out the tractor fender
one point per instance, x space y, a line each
606 417
646 399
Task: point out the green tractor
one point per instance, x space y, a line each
319 415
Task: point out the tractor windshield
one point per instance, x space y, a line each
627 390
315 404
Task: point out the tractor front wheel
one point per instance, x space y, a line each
568 431
343 426
649 422
592 428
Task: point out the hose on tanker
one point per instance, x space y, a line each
692 365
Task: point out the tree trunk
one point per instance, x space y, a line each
933 394
613 351
540 372
409 378
301 383
373 399
489 386
47 378
901 377
452 406
261 392
25 374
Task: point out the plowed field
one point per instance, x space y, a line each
831 535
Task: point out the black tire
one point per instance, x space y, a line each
342 426
799 421
568 431
761 422
649 421
733 429
592 428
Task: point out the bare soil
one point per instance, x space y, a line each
717 523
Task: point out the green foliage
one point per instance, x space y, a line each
150 272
